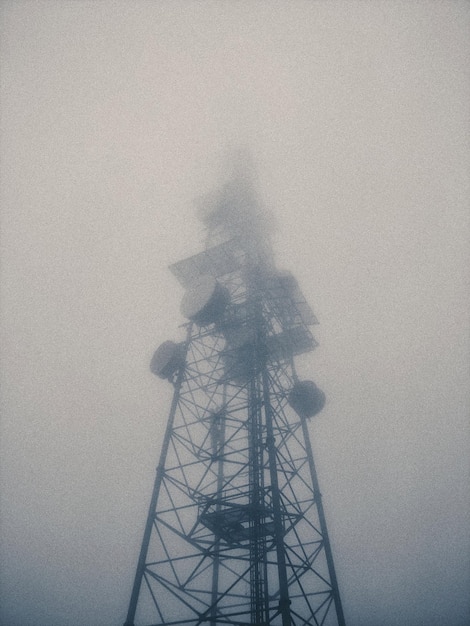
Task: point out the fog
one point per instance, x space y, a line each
116 119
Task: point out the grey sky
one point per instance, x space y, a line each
116 116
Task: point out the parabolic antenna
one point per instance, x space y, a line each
306 399
205 302
167 359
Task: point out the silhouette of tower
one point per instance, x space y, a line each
236 532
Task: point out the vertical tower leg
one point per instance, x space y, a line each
153 503
323 527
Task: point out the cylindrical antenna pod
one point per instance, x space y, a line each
167 359
205 302
306 399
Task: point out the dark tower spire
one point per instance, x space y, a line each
236 532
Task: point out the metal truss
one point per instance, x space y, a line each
236 532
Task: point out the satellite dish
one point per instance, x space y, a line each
167 359
306 399
205 302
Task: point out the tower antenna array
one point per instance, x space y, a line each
236 531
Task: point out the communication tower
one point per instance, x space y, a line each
236 532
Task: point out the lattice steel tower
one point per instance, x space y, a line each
236 532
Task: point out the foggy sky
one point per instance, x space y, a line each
115 119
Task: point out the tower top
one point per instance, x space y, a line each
234 211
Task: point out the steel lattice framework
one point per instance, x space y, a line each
236 532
